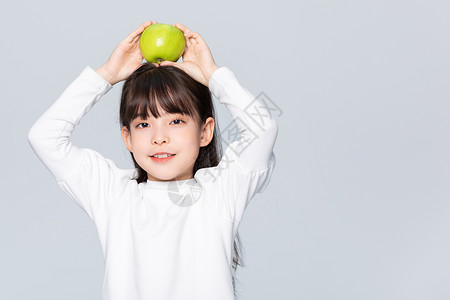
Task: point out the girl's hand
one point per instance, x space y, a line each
125 58
197 58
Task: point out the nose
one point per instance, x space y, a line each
160 139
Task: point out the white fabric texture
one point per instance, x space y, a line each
160 240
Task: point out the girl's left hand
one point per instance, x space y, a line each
197 58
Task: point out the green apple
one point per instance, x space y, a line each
160 42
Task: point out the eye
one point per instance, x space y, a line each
142 125
177 121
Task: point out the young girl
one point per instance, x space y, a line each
168 227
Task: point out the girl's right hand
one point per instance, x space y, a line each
125 58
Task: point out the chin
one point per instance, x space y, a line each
153 178
162 177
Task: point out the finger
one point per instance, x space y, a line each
173 64
185 31
193 41
138 31
166 63
141 28
194 37
182 28
188 41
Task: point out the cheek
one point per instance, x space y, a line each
191 137
139 142
190 140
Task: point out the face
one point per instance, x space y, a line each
179 136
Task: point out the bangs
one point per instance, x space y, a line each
153 93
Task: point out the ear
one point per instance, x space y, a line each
207 132
126 135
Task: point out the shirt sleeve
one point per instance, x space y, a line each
248 162
83 174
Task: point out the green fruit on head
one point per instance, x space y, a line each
160 42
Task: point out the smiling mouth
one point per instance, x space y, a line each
162 155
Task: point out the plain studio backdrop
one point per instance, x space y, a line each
359 204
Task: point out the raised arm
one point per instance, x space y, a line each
50 135
248 162
252 122
253 150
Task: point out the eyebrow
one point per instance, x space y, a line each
170 115
140 117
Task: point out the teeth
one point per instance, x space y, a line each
162 155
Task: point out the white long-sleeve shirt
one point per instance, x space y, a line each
161 240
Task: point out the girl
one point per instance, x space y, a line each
166 227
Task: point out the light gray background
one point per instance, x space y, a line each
359 203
